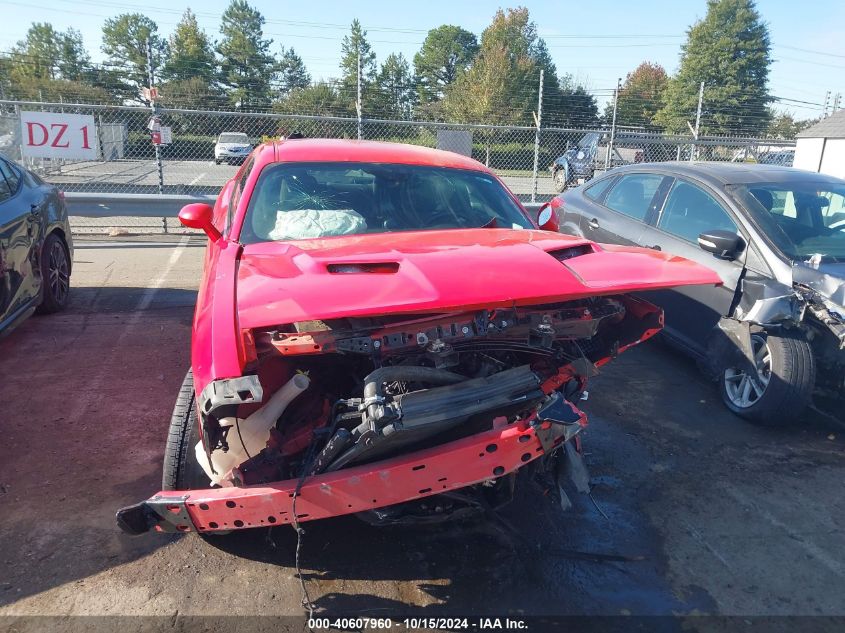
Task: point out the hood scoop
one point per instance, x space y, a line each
562 254
378 268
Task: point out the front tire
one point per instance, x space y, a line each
55 275
780 387
560 180
181 471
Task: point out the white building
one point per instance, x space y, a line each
821 148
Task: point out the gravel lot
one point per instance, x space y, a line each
696 511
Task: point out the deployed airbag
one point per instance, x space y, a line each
309 223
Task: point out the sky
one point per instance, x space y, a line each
596 45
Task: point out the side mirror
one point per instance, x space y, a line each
198 215
723 244
547 218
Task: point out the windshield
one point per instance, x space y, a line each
588 140
803 218
310 200
241 139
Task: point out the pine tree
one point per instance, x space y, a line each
247 67
395 87
125 44
729 50
355 45
292 72
446 51
190 55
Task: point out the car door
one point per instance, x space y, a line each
20 229
692 312
621 218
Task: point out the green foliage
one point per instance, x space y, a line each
247 67
729 50
354 45
501 85
640 97
190 55
292 72
125 45
784 125
572 106
446 51
318 98
395 89
48 54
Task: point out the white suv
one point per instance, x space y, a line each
232 147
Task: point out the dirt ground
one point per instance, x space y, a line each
696 512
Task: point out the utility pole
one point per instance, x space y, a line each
538 119
612 124
358 106
836 102
692 154
826 101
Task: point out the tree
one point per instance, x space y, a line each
501 85
395 88
74 61
190 55
355 45
292 72
729 50
52 66
784 125
125 45
573 107
446 51
640 97
247 67
319 98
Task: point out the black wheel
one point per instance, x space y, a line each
781 385
181 470
55 275
217 162
560 180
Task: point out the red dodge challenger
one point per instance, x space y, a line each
384 330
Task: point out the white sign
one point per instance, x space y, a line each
166 135
57 135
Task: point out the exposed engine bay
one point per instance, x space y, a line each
321 397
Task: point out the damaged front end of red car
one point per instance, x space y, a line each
400 417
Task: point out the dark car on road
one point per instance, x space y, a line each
35 246
774 332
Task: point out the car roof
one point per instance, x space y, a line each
340 150
716 173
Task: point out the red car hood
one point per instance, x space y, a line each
440 271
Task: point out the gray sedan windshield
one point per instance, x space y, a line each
803 218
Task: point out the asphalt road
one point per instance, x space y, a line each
696 512
200 177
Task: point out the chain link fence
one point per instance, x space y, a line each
534 163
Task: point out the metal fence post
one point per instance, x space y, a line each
613 124
358 106
151 77
694 148
538 119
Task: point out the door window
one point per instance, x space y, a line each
594 192
690 211
632 194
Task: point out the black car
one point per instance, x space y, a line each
35 246
774 332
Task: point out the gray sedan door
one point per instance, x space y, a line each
693 311
621 219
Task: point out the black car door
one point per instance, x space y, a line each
20 229
693 311
621 218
